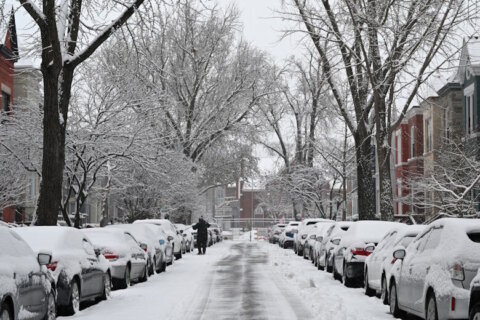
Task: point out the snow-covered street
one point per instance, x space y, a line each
239 280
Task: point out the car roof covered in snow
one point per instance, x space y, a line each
51 237
367 231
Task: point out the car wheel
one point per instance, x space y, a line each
74 304
51 307
431 309
125 282
328 267
107 287
144 278
345 279
394 310
384 292
5 312
178 256
151 267
304 253
475 312
368 291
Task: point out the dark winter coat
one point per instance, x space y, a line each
202 230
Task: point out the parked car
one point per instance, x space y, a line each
127 259
350 255
431 278
80 274
286 237
149 241
180 227
329 243
212 238
378 264
314 239
474 305
275 232
300 236
217 231
25 283
187 234
173 235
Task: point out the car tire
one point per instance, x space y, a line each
152 266
107 287
178 256
328 267
304 254
475 312
144 278
74 301
51 307
345 279
368 291
393 301
126 281
431 312
164 267
384 291
156 267
5 312
336 276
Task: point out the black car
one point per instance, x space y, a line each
26 285
80 273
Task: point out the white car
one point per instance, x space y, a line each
331 240
378 265
286 237
432 277
187 234
314 239
349 257
149 240
300 236
173 235
128 261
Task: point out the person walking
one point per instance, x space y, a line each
202 234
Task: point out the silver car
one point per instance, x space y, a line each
431 278
329 242
25 283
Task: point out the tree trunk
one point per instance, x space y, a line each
53 158
365 185
385 183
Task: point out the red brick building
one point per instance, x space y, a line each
8 57
408 160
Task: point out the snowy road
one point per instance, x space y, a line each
239 280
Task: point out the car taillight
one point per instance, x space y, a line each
453 304
110 256
52 266
457 272
360 252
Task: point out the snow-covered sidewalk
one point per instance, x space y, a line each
239 280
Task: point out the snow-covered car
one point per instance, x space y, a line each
275 232
173 235
26 287
431 278
188 236
80 274
314 239
286 237
300 237
128 261
378 264
474 305
329 243
217 231
146 236
350 255
180 227
212 238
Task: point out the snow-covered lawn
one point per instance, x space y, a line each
239 280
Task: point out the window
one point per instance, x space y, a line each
412 142
428 135
5 102
406 241
88 247
131 241
469 116
399 146
434 239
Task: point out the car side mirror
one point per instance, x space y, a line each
143 246
169 238
44 258
335 241
399 254
97 252
370 248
